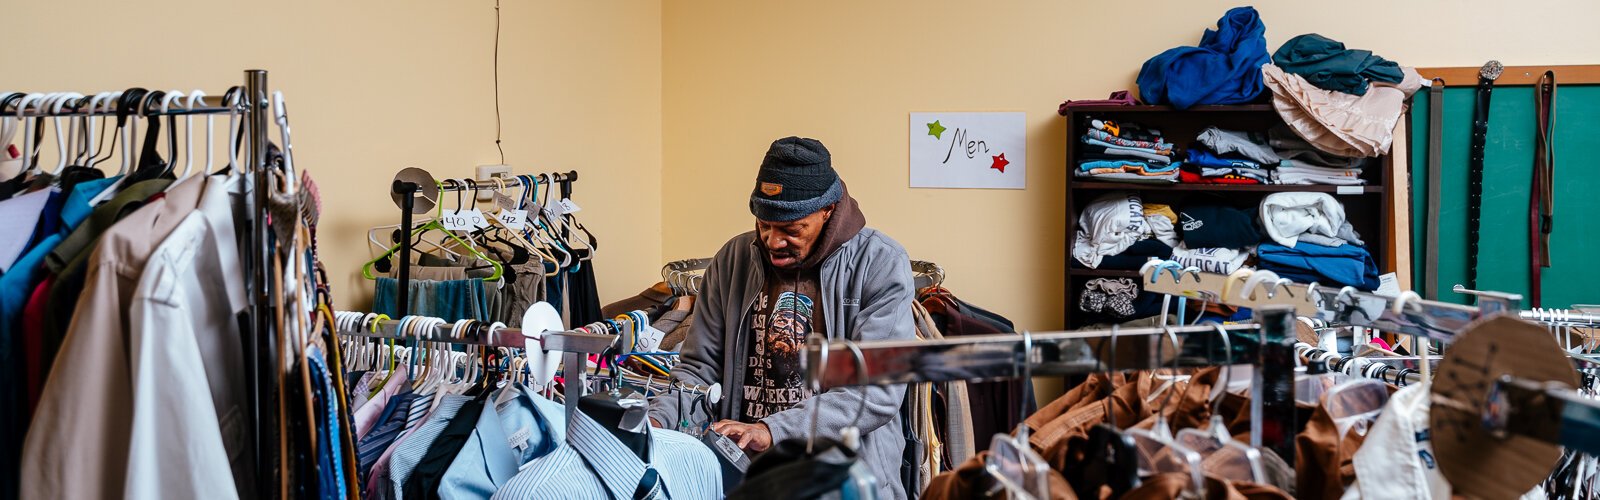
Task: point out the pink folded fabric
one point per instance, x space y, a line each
1118 98
1340 123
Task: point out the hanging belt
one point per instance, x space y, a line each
1541 195
1480 132
1430 261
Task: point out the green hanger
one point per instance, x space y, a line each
366 269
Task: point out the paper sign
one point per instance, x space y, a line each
568 207
503 201
969 150
553 211
1388 285
649 339
513 219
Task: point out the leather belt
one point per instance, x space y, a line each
1430 261
1541 195
1480 133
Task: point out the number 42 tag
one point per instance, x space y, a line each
513 219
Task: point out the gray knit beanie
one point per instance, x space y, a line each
796 179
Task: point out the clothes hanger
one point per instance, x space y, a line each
28 126
1221 454
432 225
1012 463
195 97
569 222
540 232
1157 451
1111 459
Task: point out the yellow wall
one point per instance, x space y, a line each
739 74
374 86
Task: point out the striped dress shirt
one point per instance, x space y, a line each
410 451
595 465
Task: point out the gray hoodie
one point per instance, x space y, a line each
866 295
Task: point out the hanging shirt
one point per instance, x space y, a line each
77 446
594 464
518 427
780 320
188 361
18 216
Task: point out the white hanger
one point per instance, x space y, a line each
87 154
61 138
211 120
233 132
27 129
188 133
281 116
166 105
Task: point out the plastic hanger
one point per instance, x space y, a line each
540 231
1356 404
28 126
195 97
1012 463
1157 451
1111 459
1221 454
366 269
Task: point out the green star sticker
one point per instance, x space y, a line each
936 130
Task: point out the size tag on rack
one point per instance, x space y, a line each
568 207
503 201
649 339
464 220
553 211
514 219
456 221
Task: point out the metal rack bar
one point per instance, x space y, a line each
263 353
210 105
450 185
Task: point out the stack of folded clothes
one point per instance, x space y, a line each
1216 238
1312 242
1229 157
1305 164
1125 152
1120 231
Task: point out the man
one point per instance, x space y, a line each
811 267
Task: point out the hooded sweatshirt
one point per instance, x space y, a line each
866 293
787 312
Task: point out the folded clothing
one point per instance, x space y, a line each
1203 158
1131 178
1346 265
1129 150
1102 152
1187 176
1106 137
1135 256
1296 151
1211 260
1108 226
1111 296
1339 123
1287 216
1223 69
1252 145
1204 225
1118 98
1097 167
1328 65
1295 173
1126 130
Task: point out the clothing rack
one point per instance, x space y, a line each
682 275
1547 412
404 191
576 345
253 102
1268 346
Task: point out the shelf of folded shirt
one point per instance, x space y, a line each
1259 188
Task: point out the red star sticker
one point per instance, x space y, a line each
1000 163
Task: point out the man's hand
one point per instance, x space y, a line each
754 438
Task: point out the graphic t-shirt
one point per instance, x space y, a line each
781 319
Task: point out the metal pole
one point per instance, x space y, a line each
262 359
1272 412
408 201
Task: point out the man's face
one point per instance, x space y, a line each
789 243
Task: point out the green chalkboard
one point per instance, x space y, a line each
1508 162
